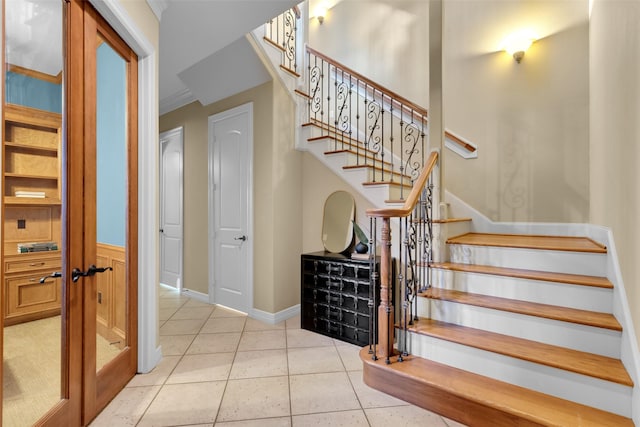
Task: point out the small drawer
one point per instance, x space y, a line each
25 294
30 263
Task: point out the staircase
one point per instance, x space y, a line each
493 328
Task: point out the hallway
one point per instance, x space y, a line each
224 369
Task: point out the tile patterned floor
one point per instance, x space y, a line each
221 368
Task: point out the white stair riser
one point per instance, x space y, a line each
564 334
586 390
590 264
561 294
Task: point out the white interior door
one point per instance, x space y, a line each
230 190
171 208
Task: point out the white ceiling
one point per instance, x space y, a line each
203 52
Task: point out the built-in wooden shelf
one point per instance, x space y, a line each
53 150
25 176
31 201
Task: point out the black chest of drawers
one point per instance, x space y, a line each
335 293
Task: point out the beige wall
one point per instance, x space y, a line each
318 183
615 134
277 189
529 120
386 41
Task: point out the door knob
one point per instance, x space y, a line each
162 230
91 271
243 238
53 275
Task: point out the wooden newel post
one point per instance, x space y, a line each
385 310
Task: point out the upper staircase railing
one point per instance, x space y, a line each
385 131
282 32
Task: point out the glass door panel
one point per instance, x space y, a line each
34 368
111 203
109 271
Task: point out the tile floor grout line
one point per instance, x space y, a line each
226 383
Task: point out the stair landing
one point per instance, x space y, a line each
476 400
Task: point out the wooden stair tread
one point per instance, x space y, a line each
557 243
301 93
290 71
392 183
547 276
571 315
593 365
328 153
477 400
386 171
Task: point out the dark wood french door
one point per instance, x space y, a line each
97 205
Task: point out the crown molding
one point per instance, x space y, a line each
175 101
158 6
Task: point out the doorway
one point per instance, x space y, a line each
231 208
171 207
70 188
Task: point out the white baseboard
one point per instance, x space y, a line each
196 295
273 318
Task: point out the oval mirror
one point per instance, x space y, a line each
337 228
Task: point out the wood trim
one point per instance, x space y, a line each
412 200
32 116
476 400
451 220
391 183
290 71
355 153
546 311
532 241
385 170
301 93
273 43
574 279
470 148
399 100
57 79
580 362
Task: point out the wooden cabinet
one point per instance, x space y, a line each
25 298
335 294
31 195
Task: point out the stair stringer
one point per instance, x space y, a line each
629 350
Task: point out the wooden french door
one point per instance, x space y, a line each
93 315
109 196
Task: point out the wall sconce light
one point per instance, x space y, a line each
517 44
321 12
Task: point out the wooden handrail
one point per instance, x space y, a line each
392 95
470 148
414 196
